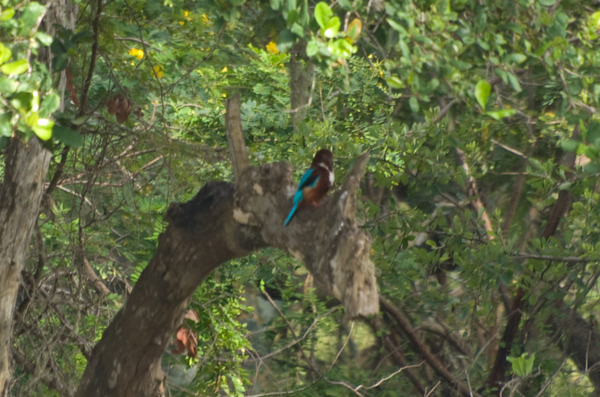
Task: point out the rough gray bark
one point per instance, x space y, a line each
21 192
326 239
201 235
217 225
26 164
224 222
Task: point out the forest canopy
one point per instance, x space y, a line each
465 132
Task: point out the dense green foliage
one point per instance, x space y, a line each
441 93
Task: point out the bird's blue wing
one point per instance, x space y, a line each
308 179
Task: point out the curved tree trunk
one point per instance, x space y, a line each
224 222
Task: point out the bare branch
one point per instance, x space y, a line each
235 137
474 193
380 381
419 345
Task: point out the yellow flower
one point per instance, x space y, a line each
158 71
136 52
186 13
224 70
272 48
205 18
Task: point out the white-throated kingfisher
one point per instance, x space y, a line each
315 183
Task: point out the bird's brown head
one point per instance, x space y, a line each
324 157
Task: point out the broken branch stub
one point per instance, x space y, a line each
326 239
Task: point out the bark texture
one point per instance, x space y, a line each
21 192
326 239
235 137
26 165
217 225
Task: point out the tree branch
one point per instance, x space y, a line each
235 137
419 345
498 374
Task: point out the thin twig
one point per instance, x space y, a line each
474 193
88 80
380 381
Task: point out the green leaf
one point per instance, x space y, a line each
514 82
292 5
396 26
30 16
67 136
292 16
22 101
31 119
569 145
303 18
8 86
43 38
80 120
342 48
394 82
49 105
535 163
482 92
333 27
312 48
322 14
523 365
354 29
276 4
547 3
60 62
85 36
15 68
298 30
286 40
345 4
592 168
5 127
593 133
500 114
517 58
5 53
413 102
7 14
43 129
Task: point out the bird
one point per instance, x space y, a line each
315 183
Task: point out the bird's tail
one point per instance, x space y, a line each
292 212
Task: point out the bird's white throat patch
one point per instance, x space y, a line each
331 176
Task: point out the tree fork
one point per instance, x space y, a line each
220 223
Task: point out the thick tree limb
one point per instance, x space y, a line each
217 225
325 239
201 235
403 323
